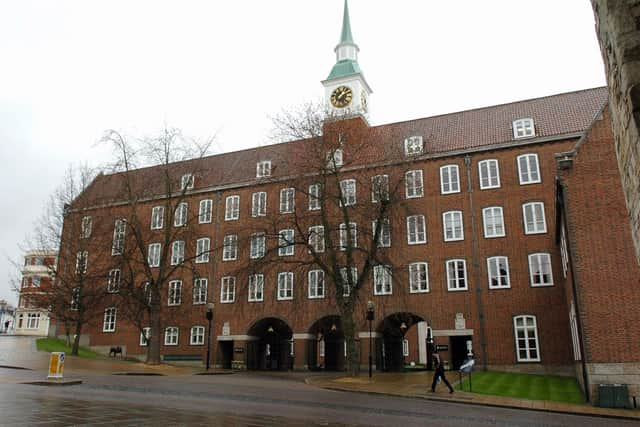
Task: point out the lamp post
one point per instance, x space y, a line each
370 317
429 349
403 330
209 318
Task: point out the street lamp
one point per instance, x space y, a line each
403 330
209 318
370 317
429 349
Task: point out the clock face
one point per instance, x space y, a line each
363 101
341 97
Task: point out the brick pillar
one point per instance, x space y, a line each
367 342
300 352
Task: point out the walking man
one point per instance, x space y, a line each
439 373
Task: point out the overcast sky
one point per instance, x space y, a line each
71 69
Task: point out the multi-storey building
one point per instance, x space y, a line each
37 274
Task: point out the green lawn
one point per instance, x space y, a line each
53 344
525 386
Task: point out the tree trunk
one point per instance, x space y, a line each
76 338
353 354
153 355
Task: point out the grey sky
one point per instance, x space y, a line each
71 69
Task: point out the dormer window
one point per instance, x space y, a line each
523 128
334 159
413 146
263 169
186 183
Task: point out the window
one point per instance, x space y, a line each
346 285
452 224
456 275
316 284
145 336
157 217
540 269
348 192
285 286
85 227
33 320
489 174
171 336
75 299
228 289
413 146
316 238
416 230
413 184
35 282
230 248
109 323
153 257
232 208
498 272
203 247
180 218
523 128
263 169
177 252
348 237
113 281
334 159
449 179
197 335
575 338
493 222
147 292
200 290
286 245
526 338
382 280
287 200
175 292
259 204
82 259
314 197
204 214
534 221
418 277
528 169
564 251
186 182
257 245
384 234
118 237
256 287
379 188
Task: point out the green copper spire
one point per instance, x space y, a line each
346 36
346 50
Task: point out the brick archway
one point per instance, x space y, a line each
327 350
391 348
271 350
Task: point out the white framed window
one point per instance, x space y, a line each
145 336
259 204
35 282
257 241
263 169
384 235
416 230
285 286
205 211
171 336
203 248
564 251
456 275
186 182
33 320
498 272
316 284
119 230
75 299
418 277
82 261
382 280
452 225
177 252
449 179
109 323
528 169
85 227
230 247
316 238
232 208
228 289
405 347
534 218
348 236
523 128
348 282
413 186
200 285
113 280
315 192
197 335
489 174
526 334
575 338
157 217
348 192
153 257
540 270
175 292
180 218
413 146
256 287
147 292
287 200
379 188
335 159
493 221
286 244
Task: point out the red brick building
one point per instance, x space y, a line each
37 279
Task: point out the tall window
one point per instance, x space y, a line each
228 289
286 244
314 197
33 320
287 200
257 245
171 336
564 251
153 257
418 277
526 333
316 284
177 252
203 248
175 292
456 275
259 204
382 280
197 335
232 208
186 182
316 238
348 191
523 128
157 217
449 179
413 186
82 261
119 230
534 221
452 224
413 146
75 299
285 286
180 218
230 248
85 227
200 290
109 323
204 213
493 222
498 272
379 188
263 169
575 337
540 269
489 172
113 281
416 230
256 287
334 159
528 169
348 236
145 336
348 282
384 234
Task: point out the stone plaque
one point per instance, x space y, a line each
226 329
460 322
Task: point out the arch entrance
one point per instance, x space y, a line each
272 348
393 348
327 351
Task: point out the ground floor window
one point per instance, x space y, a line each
171 336
526 333
197 335
33 320
145 335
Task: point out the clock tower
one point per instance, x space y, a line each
346 90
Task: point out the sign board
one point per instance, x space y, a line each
56 365
442 347
460 323
467 366
226 329
238 350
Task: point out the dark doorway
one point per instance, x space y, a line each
458 350
226 353
271 349
327 352
394 329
